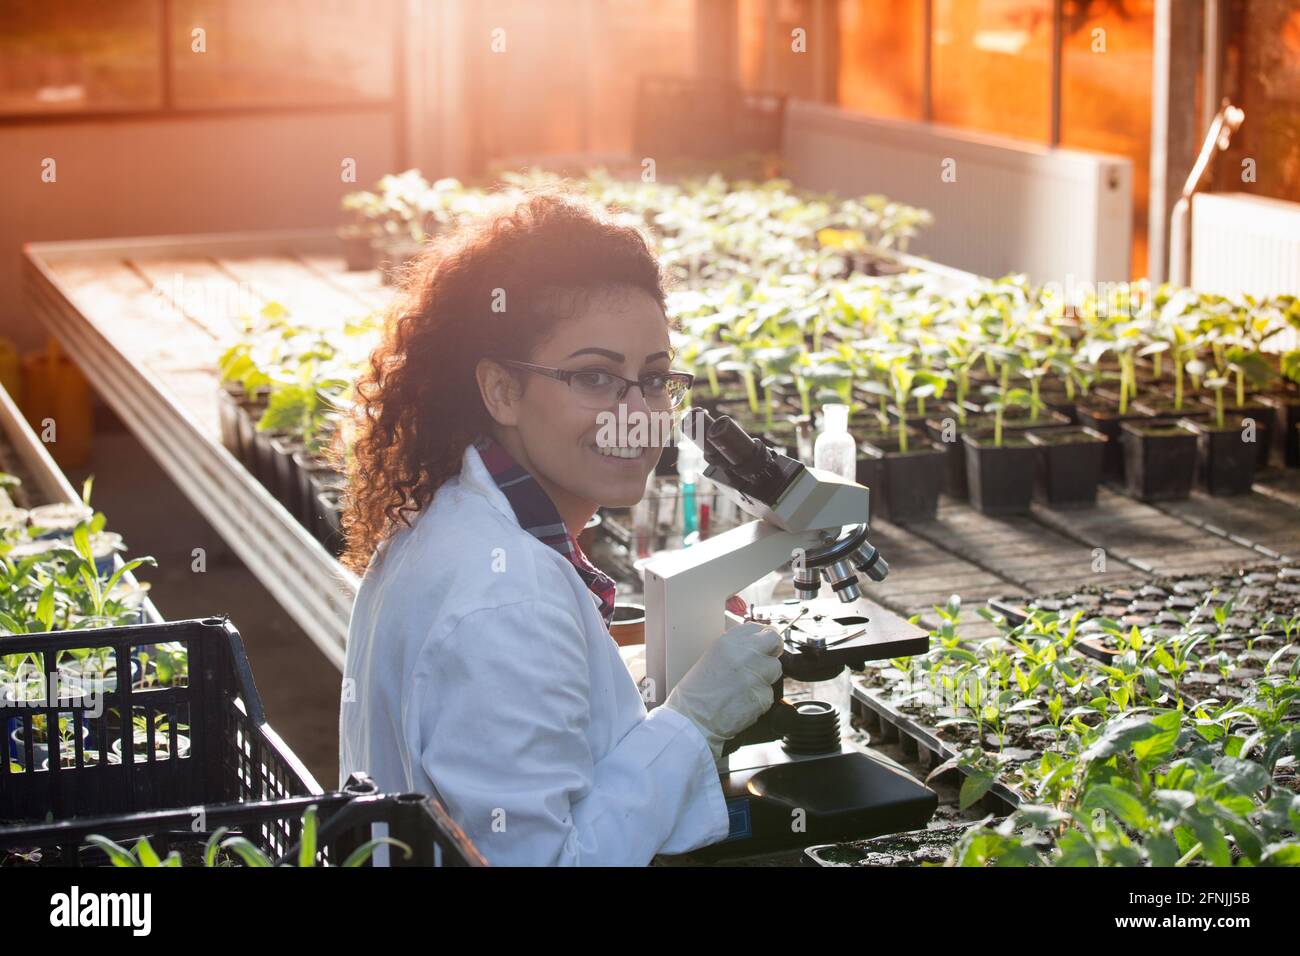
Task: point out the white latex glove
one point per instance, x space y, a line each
730 687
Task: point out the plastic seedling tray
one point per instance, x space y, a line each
912 848
921 746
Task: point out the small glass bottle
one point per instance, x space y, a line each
835 450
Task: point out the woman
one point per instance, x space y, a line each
479 664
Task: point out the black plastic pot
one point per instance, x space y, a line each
1159 459
358 248
1000 478
1286 418
912 478
228 417
288 488
1060 403
328 503
871 475
1263 417
1225 463
1107 420
325 485
249 413
946 429
266 456
1069 465
871 467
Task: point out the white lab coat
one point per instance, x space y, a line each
479 669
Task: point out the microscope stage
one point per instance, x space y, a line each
854 632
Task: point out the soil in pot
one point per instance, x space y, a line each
1000 478
1069 465
1225 461
1059 402
1163 406
912 478
1159 459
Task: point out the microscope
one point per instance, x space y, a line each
790 780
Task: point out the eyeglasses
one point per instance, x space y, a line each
596 388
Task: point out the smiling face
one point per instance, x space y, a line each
555 433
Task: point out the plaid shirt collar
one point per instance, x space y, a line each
537 515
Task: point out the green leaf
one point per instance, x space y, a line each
973 789
118 854
45 607
1119 803
307 848
213 845
362 853
246 851
148 856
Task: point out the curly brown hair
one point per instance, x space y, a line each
418 405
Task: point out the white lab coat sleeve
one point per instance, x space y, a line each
504 716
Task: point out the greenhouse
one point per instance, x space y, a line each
764 433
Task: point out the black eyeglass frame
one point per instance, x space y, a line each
565 374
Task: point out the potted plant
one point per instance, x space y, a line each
1000 469
1096 414
1243 365
1286 408
1226 459
913 471
161 740
40 739
359 236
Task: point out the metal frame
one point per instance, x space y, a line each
306 579
52 485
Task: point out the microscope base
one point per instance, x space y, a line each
780 801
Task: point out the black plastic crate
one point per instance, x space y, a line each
231 753
345 821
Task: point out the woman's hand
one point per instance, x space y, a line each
730 687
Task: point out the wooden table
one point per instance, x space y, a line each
147 319
149 345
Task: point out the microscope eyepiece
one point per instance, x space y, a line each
733 443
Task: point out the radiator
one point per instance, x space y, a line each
1059 215
1244 243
